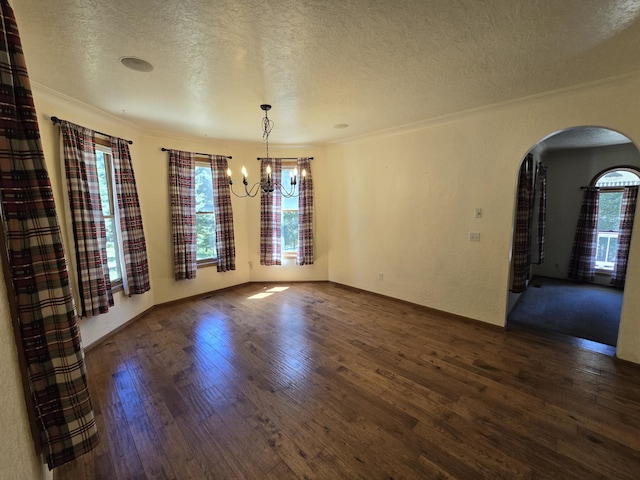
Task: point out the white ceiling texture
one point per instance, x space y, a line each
370 64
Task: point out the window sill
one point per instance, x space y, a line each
290 255
604 273
209 262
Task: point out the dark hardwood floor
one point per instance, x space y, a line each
321 381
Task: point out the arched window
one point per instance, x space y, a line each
610 184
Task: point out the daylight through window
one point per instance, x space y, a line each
611 189
205 217
105 181
289 224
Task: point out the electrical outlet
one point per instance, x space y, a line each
474 236
380 276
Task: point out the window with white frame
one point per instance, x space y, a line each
205 216
289 221
104 168
611 185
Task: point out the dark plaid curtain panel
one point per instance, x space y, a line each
582 265
271 214
522 233
305 213
134 246
627 214
50 337
89 230
542 210
182 194
225 236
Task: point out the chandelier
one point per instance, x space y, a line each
269 185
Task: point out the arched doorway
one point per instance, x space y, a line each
551 300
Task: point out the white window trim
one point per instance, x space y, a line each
122 281
205 262
289 165
606 189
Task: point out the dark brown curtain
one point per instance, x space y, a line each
46 327
522 232
182 194
305 213
582 265
270 214
627 214
541 179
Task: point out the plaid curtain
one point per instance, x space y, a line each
48 333
305 214
89 230
270 214
542 210
582 265
182 193
522 233
134 247
225 237
627 214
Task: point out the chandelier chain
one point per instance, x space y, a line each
267 126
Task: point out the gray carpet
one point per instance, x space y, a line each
579 310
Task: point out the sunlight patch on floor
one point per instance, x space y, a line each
277 289
258 296
267 293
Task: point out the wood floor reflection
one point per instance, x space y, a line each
321 381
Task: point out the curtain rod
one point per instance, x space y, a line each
197 153
283 158
56 120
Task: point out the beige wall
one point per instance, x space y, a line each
403 203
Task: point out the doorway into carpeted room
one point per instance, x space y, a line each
580 310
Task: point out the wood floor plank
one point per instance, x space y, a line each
319 381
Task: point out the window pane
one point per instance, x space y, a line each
103 182
204 189
112 254
290 203
613 249
205 236
602 249
289 225
289 231
609 211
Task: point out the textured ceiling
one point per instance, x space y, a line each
583 137
371 64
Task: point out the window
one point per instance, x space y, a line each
611 185
289 223
104 168
205 217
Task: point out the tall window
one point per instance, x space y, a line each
611 185
289 224
205 216
104 167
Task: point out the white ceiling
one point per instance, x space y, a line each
371 64
583 137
